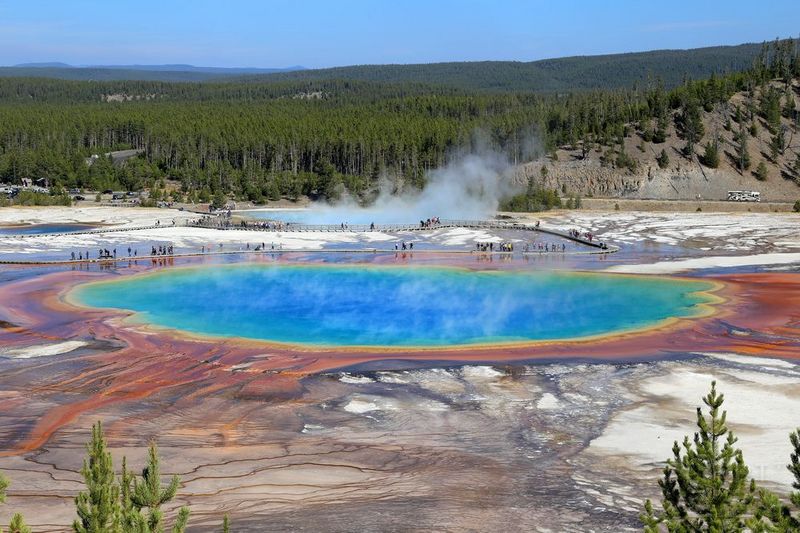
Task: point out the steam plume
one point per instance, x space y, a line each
468 188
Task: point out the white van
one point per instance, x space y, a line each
744 196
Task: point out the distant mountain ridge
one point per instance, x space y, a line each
50 64
610 71
192 68
167 72
177 67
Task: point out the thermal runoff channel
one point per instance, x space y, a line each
391 306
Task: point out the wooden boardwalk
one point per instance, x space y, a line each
397 228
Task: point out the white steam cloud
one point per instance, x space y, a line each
468 188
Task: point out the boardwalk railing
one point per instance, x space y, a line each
296 227
278 226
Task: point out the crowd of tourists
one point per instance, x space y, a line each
587 236
110 254
578 234
528 247
224 221
266 225
102 253
544 247
217 221
429 223
162 250
504 246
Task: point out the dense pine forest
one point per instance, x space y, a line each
269 139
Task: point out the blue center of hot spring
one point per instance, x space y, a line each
393 306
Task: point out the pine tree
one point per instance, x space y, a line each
148 493
742 154
660 134
773 515
226 528
98 506
711 154
130 517
777 144
761 173
663 159
690 125
585 146
219 200
705 485
789 107
771 108
18 525
794 468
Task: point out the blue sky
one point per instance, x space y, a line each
321 33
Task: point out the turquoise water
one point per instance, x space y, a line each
391 306
37 229
300 216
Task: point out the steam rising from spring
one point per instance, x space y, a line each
468 188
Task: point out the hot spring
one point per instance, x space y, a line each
297 216
41 229
329 215
357 305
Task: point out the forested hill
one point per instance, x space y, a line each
44 90
566 74
318 138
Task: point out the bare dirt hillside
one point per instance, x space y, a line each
594 172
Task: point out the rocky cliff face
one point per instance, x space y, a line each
682 183
594 172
